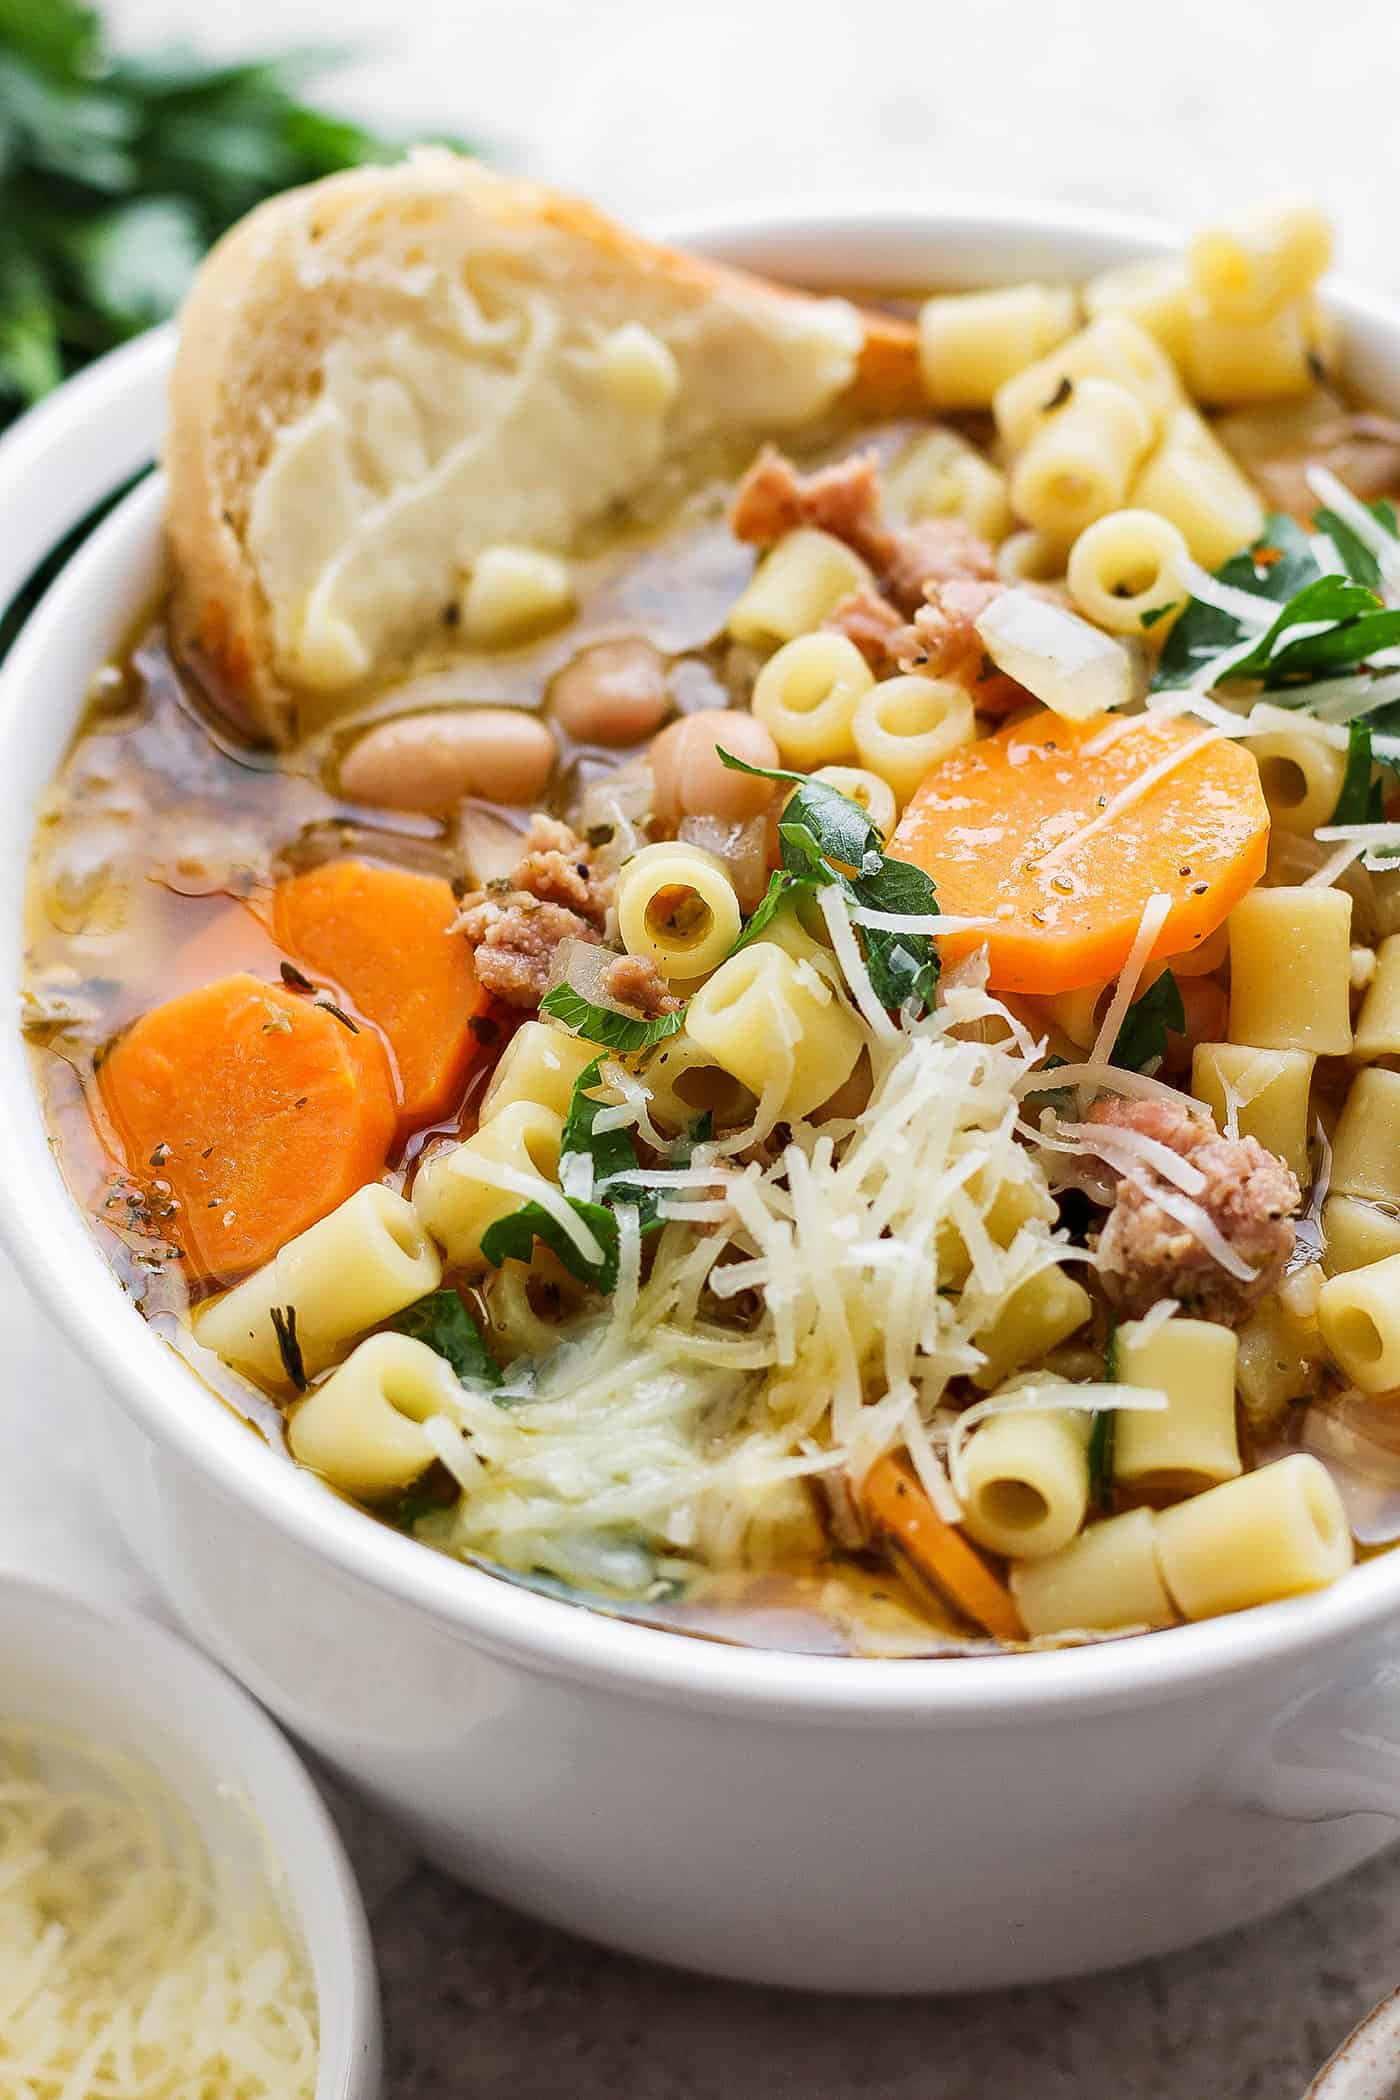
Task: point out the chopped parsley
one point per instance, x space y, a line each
612 1157
1103 1433
604 1024
1142 1039
443 1322
1362 799
1326 625
825 838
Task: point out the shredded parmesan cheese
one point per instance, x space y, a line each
1336 864
1369 530
122 1976
819 1322
1248 607
1154 917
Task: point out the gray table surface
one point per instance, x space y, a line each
653 105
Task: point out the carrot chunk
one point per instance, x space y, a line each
897 1506
1058 833
259 1110
381 937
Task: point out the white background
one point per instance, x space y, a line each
653 106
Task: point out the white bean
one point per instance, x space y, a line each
692 780
429 762
614 693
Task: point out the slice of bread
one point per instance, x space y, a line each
384 375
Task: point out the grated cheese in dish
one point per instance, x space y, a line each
120 1975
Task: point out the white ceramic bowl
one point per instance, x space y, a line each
839 1824
130 1686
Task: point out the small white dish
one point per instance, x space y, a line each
131 1687
1367 2066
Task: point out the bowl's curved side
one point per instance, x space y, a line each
131 1686
82 618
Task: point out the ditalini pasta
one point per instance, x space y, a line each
970 346
795 587
1107 1577
1263 1094
1290 970
462 1190
363 1427
366 1261
806 697
863 1083
676 908
1191 1443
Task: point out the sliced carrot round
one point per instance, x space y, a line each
382 938
257 1110
1057 834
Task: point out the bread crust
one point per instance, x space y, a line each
361 255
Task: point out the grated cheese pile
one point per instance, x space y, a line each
815 1322
118 1976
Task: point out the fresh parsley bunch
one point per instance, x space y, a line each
116 173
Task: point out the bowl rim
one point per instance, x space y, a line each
259 1763
49 1242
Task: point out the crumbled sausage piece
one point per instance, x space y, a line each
773 499
1250 1197
846 501
942 641
515 938
515 926
873 624
556 867
634 981
933 552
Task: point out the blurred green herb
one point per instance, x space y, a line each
1362 799
1142 1039
117 172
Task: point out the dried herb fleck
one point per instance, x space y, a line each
284 1326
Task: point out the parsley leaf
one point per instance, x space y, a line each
825 838
1142 1039
1276 567
116 173
1358 560
1103 1433
1362 799
784 889
1326 625
903 966
443 1322
613 1153
601 1024
512 1238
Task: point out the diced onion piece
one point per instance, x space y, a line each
583 965
741 848
1074 668
490 844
